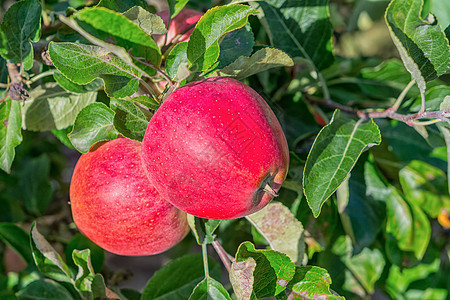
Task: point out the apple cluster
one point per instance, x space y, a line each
214 149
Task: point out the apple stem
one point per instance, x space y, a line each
268 189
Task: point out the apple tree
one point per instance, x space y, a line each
360 90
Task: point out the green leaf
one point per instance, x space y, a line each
446 133
425 186
83 63
10 132
51 107
441 9
402 138
383 81
241 278
70 86
298 122
129 120
148 102
311 282
203 46
85 274
61 135
90 285
175 6
209 288
80 242
429 293
203 229
93 124
300 29
18 239
48 261
359 206
34 185
261 60
21 26
422 45
177 62
124 5
173 282
130 294
365 268
399 278
434 98
408 225
333 155
109 25
281 229
118 51
146 21
43 289
391 71
273 269
235 44
99 289
361 271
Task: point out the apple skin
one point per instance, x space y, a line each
116 207
212 147
185 18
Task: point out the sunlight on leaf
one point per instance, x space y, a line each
203 46
93 124
281 229
261 60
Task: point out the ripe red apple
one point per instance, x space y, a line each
182 21
116 207
215 149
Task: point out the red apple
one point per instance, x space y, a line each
215 149
115 206
185 19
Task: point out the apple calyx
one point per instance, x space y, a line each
268 189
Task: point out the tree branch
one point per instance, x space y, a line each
440 115
159 71
391 112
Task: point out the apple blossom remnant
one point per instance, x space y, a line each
185 19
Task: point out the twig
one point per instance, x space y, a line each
41 75
166 47
163 74
329 103
149 89
409 119
326 92
14 73
402 95
391 112
223 255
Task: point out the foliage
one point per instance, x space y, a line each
359 87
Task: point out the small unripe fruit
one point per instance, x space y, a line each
183 20
215 149
116 207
